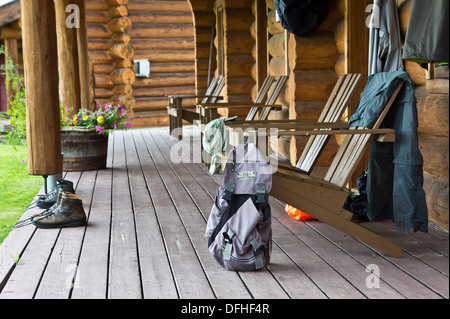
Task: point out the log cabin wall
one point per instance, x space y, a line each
205 53
159 31
238 20
315 65
162 33
432 104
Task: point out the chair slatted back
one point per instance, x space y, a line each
334 109
260 97
273 97
353 147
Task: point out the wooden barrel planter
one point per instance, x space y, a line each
83 149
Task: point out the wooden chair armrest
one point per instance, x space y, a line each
235 105
184 96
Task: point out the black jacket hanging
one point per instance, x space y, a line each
301 17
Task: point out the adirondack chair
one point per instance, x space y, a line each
208 110
324 198
333 110
177 114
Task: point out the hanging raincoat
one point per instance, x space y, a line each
395 177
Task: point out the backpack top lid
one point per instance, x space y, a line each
301 17
247 168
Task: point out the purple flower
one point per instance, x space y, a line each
99 129
130 118
124 112
128 125
114 125
22 161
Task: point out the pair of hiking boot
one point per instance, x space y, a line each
63 208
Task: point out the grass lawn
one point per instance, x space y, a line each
17 188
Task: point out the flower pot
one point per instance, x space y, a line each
83 149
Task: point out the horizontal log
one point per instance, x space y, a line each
432 113
172 67
164 44
239 86
314 85
437 193
158 103
103 69
307 109
239 65
166 80
159 6
99 44
99 31
435 154
103 93
150 17
239 42
113 3
97 5
437 86
103 81
141 31
164 91
238 19
316 52
161 56
97 17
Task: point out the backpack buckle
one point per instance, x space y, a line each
261 193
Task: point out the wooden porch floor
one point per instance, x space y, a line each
145 239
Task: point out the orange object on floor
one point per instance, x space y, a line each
297 214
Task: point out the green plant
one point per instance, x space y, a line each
103 120
17 187
16 115
16 258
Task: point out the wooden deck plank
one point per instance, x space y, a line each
124 275
416 267
349 268
390 274
57 281
15 243
27 274
157 279
312 290
92 274
186 268
145 238
226 285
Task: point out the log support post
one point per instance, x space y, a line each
71 29
41 82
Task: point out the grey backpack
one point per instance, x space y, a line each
239 226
